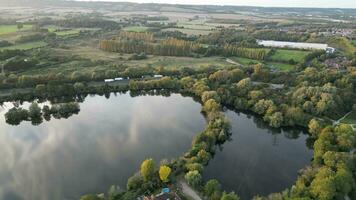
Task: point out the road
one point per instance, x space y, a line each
189 191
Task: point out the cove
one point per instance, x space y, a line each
258 160
103 145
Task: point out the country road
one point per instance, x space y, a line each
189 191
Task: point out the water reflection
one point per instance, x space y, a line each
259 160
102 145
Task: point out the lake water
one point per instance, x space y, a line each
103 145
259 160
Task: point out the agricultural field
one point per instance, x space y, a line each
26 46
245 61
8 29
63 32
283 55
275 65
189 31
136 28
280 66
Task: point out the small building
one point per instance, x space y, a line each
109 80
330 50
158 76
119 79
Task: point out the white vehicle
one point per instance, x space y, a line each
109 80
119 79
158 76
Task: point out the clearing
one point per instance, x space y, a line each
282 55
26 46
7 29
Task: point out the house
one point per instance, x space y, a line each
109 80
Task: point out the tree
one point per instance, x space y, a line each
210 95
323 186
35 114
193 178
19 26
276 119
314 127
91 197
35 111
164 172
230 196
211 187
134 182
147 169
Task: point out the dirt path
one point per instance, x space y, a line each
337 122
189 191
233 62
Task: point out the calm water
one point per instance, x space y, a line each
106 142
103 145
258 160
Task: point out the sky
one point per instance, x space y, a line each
268 3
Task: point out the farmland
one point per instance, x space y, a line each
26 46
8 29
287 55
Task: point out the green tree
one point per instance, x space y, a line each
211 187
323 186
134 182
19 26
230 196
147 169
35 111
193 178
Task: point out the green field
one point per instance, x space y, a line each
68 32
282 55
245 61
7 29
62 32
280 66
26 46
195 26
189 31
353 42
350 118
136 28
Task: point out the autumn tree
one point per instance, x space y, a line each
147 169
164 172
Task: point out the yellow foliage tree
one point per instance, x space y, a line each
164 172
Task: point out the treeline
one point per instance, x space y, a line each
88 22
36 115
177 47
228 36
253 53
167 47
270 34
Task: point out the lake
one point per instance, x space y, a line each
103 145
106 142
258 160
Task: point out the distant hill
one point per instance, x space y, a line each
126 6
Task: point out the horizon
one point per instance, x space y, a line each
346 4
